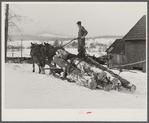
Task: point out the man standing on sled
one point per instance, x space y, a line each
81 40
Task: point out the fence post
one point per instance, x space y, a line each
12 50
21 50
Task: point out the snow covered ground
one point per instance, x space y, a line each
26 52
25 89
26 44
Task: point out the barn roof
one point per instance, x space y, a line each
118 47
138 31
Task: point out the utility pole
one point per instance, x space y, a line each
21 52
6 29
21 48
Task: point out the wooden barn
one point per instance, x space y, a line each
116 53
130 49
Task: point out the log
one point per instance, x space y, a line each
65 54
125 83
104 80
75 74
99 75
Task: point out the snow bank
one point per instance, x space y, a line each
25 89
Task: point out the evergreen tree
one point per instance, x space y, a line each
56 43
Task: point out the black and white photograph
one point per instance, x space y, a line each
74 61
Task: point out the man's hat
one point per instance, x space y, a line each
79 22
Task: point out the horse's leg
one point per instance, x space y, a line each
50 72
42 70
42 67
43 58
39 68
33 66
39 64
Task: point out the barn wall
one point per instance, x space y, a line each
144 67
135 51
116 60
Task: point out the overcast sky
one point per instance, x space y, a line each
97 17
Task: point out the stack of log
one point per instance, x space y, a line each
125 83
74 74
90 73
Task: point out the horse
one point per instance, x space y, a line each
48 46
38 54
51 51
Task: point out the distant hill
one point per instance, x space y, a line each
52 37
107 36
35 37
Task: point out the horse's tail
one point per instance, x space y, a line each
43 53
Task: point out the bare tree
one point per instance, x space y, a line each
56 43
9 16
12 23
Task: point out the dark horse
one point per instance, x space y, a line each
38 54
51 51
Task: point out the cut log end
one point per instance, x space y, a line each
92 84
133 88
107 87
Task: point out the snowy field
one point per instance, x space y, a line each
26 52
25 89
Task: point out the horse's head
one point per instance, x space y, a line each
33 45
48 46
